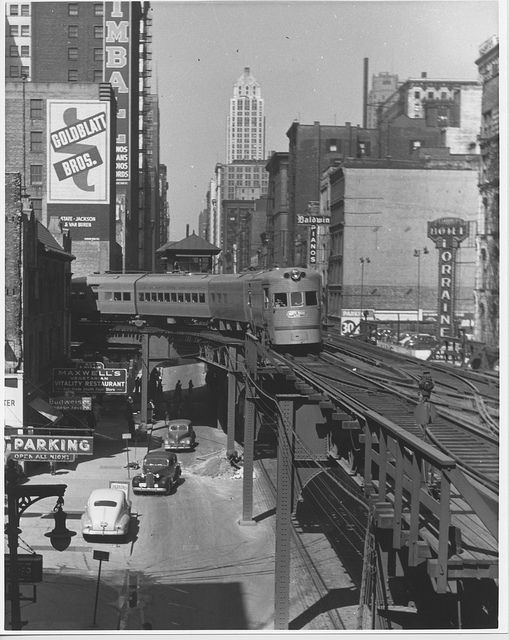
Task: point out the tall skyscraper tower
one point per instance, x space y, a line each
245 136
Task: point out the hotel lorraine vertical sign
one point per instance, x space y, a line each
117 71
447 234
78 154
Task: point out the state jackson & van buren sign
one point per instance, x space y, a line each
91 378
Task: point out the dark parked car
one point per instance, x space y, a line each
160 473
180 435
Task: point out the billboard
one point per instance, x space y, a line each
78 154
117 71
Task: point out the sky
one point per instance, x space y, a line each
308 58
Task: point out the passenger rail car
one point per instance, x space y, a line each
280 305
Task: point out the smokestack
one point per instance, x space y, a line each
187 231
365 102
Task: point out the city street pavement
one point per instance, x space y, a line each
226 569
188 564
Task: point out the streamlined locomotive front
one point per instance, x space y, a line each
292 306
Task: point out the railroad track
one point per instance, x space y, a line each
474 450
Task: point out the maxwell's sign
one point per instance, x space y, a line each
447 234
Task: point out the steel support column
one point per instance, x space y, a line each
232 400
283 514
247 481
144 377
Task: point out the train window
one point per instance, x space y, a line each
126 295
154 296
174 297
194 297
166 297
141 297
280 300
201 297
266 298
311 299
108 295
180 297
160 297
187 297
147 296
117 295
296 299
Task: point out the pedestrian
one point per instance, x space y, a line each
137 383
191 387
150 411
178 391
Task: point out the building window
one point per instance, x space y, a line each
25 29
13 30
98 55
72 53
36 141
25 10
14 71
443 95
13 10
13 51
417 95
364 149
98 32
25 50
72 31
431 95
98 10
36 174
25 71
98 75
72 75
72 9
415 145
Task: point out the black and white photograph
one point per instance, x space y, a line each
254 317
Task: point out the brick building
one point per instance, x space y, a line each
487 285
383 85
93 42
37 303
277 210
379 212
86 211
425 114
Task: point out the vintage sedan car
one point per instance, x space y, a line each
160 473
180 435
108 513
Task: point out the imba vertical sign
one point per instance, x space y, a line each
91 379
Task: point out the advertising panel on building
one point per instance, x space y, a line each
78 152
117 71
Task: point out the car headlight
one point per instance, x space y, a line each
156 475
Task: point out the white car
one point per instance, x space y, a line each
108 513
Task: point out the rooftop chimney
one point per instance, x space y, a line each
424 74
187 231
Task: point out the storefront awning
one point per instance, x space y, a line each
45 410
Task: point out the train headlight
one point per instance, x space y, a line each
295 275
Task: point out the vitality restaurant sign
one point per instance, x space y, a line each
90 379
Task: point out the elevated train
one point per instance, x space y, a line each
282 306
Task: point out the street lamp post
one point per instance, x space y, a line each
363 261
19 498
417 254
